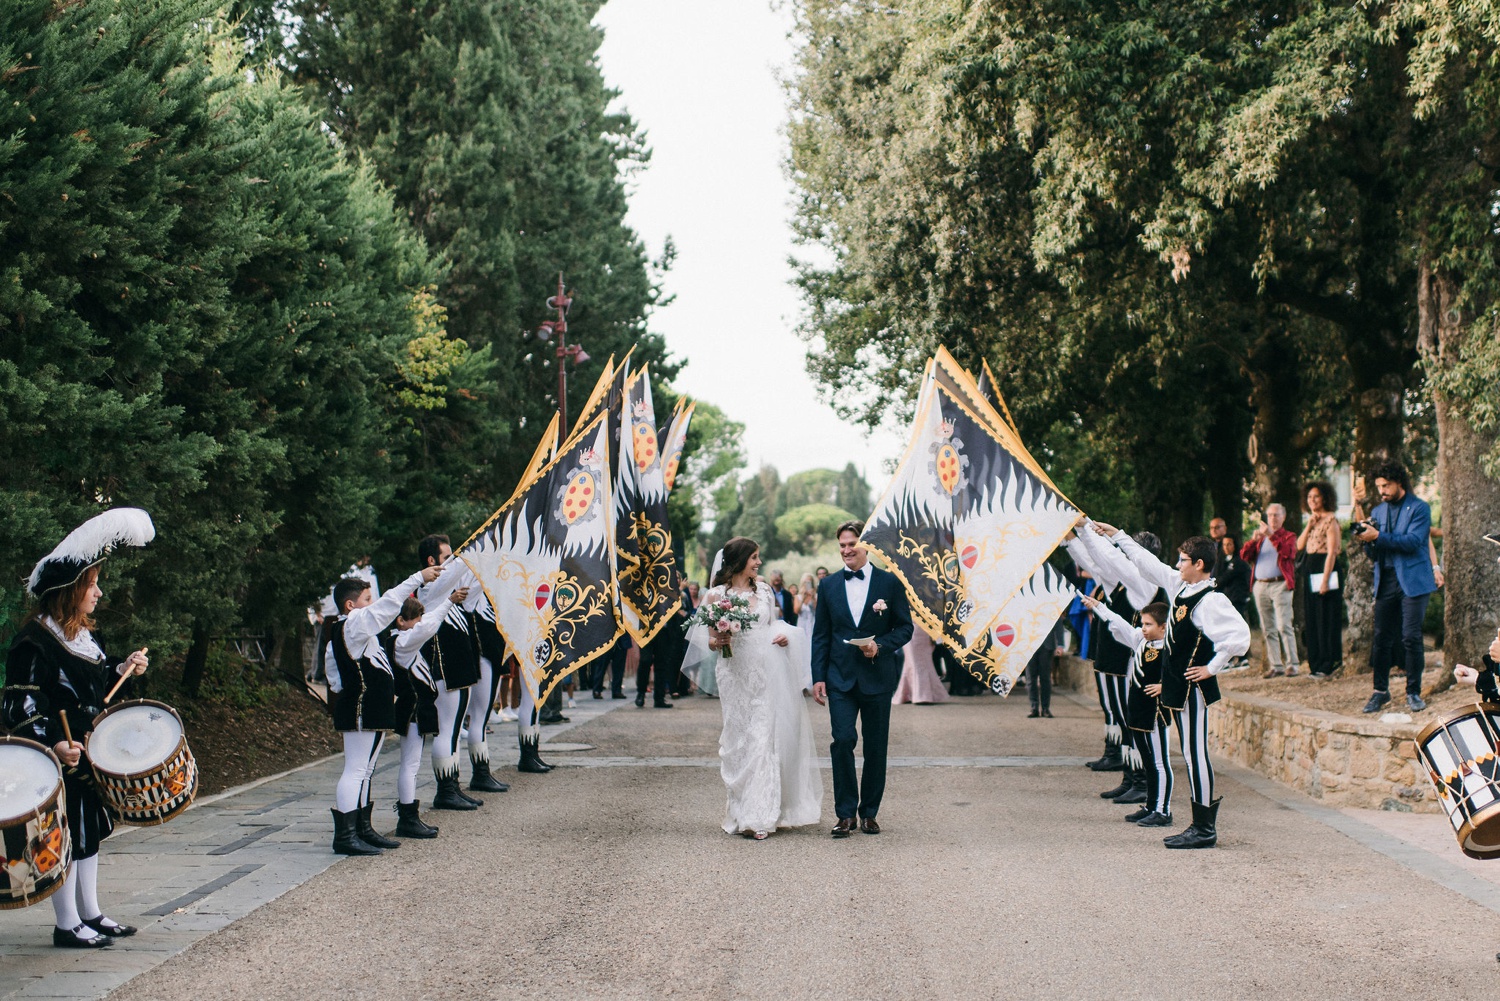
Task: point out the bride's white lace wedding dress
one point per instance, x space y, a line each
765 750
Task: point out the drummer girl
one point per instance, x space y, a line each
55 666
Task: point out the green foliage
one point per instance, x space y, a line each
490 122
200 303
808 527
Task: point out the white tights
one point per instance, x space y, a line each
481 704
451 707
78 896
411 761
361 749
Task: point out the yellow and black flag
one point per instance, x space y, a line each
967 524
646 567
546 563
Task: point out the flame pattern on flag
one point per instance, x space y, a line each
674 440
967 525
646 567
546 563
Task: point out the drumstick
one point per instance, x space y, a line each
112 691
67 733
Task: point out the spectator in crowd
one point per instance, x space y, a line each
821 572
786 602
1039 670
1232 580
807 605
1318 550
1218 528
1272 553
1396 538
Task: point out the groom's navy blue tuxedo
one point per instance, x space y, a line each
859 687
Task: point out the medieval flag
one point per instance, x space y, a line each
546 563
674 440
999 656
968 524
646 568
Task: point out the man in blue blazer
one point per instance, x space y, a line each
1395 538
856 681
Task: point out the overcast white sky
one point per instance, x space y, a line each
700 77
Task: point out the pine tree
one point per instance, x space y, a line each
489 121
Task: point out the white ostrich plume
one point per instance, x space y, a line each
90 542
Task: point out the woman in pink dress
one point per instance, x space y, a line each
920 683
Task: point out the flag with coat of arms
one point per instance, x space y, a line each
546 562
967 524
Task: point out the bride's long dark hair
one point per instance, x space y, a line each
737 553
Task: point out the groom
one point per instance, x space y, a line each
856 682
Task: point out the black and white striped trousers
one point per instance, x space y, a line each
1112 701
1192 736
1156 762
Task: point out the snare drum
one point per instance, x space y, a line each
33 823
1460 754
145 772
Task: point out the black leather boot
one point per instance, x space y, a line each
410 824
346 839
449 798
367 832
481 780
1137 791
1127 780
1112 761
531 761
1203 833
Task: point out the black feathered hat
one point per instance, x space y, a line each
87 545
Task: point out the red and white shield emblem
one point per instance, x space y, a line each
969 556
543 595
1005 634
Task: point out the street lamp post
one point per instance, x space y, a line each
561 302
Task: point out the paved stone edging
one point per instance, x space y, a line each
1336 759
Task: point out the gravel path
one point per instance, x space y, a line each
1013 881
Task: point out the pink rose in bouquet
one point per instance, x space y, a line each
725 616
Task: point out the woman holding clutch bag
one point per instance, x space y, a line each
1318 550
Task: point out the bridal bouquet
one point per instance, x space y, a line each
729 613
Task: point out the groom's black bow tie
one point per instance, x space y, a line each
852 574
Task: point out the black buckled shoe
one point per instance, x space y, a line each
1141 814
1154 819
411 824
68 938
115 930
367 832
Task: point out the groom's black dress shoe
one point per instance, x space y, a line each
869 826
844 827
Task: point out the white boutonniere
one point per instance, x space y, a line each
879 605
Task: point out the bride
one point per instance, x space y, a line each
765 750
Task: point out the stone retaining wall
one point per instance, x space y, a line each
1340 760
